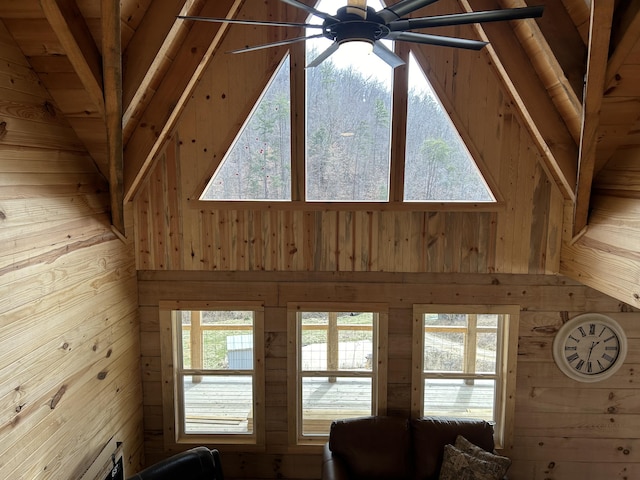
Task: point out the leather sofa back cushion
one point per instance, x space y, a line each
431 434
373 448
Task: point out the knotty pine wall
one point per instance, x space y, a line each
564 430
69 325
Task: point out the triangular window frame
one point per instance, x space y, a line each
296 56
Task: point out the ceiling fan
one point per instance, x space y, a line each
356 22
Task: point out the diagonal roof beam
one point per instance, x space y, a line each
599 35
153 127
549 69
540 116
67 22
112 74
150 51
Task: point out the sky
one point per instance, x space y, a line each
369 64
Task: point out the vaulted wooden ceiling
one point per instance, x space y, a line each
121 71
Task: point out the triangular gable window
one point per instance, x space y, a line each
349 116
258 164
438 166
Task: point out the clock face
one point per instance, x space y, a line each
590 347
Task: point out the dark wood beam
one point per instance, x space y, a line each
599 35
67 22
112 74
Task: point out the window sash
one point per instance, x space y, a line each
506 349
174 375
377 374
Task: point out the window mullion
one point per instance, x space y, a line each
399 124
297 81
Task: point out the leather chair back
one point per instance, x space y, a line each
199 463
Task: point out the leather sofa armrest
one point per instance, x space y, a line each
333 468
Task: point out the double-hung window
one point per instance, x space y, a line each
213 372
337 359
465 358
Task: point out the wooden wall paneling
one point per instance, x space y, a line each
68 303
124 390
524 205
539 222
551 410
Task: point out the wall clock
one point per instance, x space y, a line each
590 347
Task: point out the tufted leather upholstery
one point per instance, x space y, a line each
396 448
199 463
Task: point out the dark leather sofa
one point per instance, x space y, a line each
199 463
396 448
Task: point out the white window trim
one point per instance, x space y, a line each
172 400
506 363
379 370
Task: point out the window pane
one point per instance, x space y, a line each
336 341
217 340
348 121
443 351
486 352
258 164
438 165
460 398
325 399
218 404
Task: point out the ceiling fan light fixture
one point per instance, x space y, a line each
357 47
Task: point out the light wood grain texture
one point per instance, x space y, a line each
69 367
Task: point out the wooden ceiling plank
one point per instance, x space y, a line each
74 36
578 10
112 73
153 129
150 52
539 114
623 42
599 36
549 69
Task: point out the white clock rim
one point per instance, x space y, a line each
567 327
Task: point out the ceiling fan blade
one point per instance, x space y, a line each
403 7
465 18
324 55
436 40
248 22
275 44
308 9
387 55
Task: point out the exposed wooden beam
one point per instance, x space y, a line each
154 126
549 69
599 35
112 73
626 37
150 52
540 116
67 22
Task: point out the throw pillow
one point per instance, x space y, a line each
458 465
475 451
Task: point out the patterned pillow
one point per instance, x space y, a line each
458 465
475 451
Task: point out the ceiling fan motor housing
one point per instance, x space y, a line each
351 27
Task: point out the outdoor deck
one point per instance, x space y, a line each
224 403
